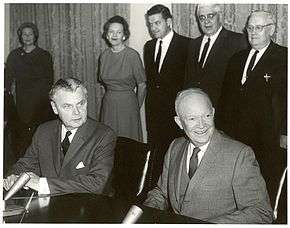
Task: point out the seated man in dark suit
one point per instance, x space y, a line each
208 175
72 154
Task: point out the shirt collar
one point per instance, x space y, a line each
167 38
214 36
261 51
64 130
203 148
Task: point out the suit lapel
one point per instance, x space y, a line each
260 64
207 163
263 58
197 48
241 69
218 44
56 147
76 144
181 155
152 51
170 52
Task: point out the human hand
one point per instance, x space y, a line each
9 181
33 183
283 141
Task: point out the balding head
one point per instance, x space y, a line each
195 95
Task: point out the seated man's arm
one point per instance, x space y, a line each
157 197
100 167
28 163
249 189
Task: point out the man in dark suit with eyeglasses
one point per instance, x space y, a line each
208 55
253 105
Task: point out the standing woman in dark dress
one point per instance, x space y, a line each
28 77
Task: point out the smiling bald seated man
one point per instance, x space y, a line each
221 183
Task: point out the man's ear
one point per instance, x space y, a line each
53 106
169 22
272 30
178 122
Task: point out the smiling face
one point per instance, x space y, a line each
71 107
209 19
258 40
27 36
196 118
115 34
159 27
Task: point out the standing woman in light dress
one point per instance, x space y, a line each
121 71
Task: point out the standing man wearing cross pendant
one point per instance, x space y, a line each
71 155
254 98
164 58
208 175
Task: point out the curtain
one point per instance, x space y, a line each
235 17
72 34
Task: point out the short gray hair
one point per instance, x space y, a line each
68 84
268 15
187 92
216 7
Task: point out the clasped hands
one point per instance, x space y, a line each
33 183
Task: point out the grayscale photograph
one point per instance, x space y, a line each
145 113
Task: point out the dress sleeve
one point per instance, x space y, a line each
138 69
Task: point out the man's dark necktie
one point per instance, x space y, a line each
204 51
193 162
251 64
65 143
158 57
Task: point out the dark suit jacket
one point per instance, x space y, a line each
93 145
163 87
227 186
256 112
210 79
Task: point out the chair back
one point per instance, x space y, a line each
132 170
282 180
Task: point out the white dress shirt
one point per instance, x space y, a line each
204 41
165 44
259 55
43 185
63 132
199 155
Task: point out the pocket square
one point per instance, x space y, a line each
80 165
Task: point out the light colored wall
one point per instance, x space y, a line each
139 36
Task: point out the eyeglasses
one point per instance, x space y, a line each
209 16
257 28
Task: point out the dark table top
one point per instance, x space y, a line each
88 208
